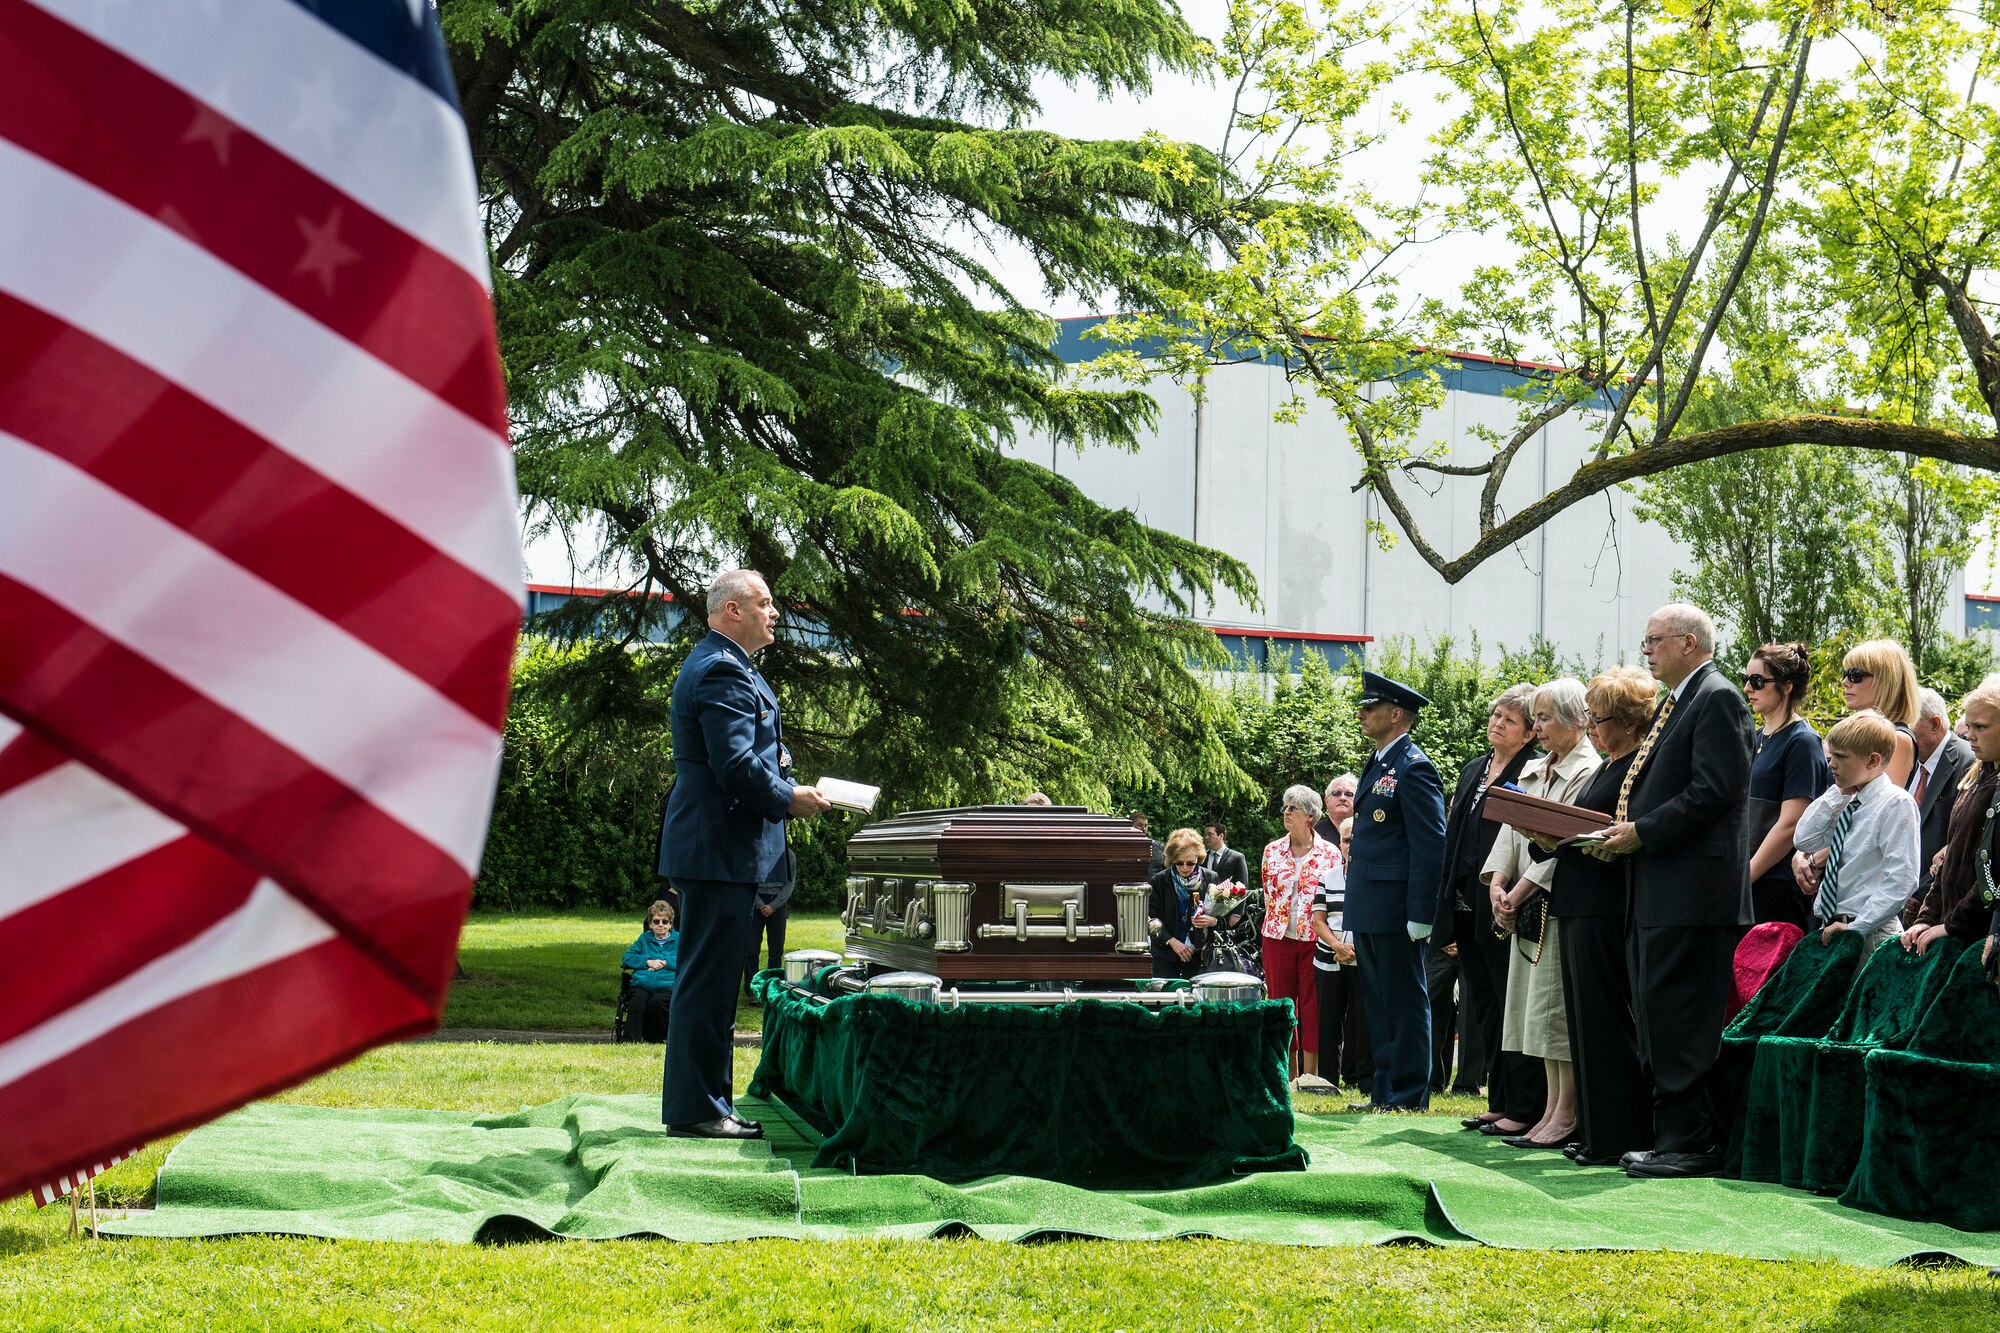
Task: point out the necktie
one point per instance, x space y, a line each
1829 886
1639 759
1923 781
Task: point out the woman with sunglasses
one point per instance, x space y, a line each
1179 927
654 958
1878 675
1294 868
1788 771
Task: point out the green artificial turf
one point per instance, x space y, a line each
560 973
48 1281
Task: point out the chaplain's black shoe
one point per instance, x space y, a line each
1626 1159
726 1128
1576 1154
1675 1166
748 1123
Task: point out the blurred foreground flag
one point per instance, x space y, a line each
259 563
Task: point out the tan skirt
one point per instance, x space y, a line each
1536 1024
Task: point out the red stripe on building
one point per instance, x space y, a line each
169 1067
113 925
107 120
88 404
395 892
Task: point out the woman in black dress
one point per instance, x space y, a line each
1614 1100
1515 1087
1788 772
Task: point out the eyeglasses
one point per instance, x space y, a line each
659 921
1651 641
1187 863
1855 675
1294 810
1754 681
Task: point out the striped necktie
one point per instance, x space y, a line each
1639 759
1829 886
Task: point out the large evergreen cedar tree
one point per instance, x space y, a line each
740 272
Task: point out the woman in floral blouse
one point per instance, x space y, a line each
1294 867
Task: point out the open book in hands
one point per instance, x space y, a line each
845 795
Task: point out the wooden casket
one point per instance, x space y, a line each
1000 893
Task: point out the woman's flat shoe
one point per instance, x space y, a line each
1523 1141
1492 1130
1475 1121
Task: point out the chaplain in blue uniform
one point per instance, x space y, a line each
723 836
1394 865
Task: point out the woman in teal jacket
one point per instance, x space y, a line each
652 959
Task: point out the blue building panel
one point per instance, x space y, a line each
1982 613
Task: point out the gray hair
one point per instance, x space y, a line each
1516 699
1683 618
1354 778
1305 798
732 585
1931 704
1564 696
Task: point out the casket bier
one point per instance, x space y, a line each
1000 893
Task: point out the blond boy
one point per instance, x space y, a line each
1868 827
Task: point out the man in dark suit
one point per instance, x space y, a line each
1392 876
1157 860
1223 859
1942 759
1683 822
723 836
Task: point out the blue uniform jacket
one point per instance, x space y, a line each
1398 850
725 817
648 947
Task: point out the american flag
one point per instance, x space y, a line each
260 572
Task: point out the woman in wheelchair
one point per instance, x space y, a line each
650 982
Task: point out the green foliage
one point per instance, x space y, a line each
741 282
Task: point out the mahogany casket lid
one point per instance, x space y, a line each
982 842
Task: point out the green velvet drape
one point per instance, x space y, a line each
1930 1134
1111 1096
1801 999
1802 1113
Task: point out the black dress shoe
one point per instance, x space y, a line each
1627 1159
1675 1165
1576 1153
1523 1141
1475 1121
727 1127
1491 1129
748 1123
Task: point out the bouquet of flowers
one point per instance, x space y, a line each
1223 898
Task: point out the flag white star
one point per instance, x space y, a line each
320 111
325 252
212 128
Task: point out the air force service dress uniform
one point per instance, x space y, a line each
723 835
1396 860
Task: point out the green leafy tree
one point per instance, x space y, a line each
741 274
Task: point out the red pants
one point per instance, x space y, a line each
1288 975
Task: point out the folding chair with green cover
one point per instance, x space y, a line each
1801 999
1930 1135
1802 1116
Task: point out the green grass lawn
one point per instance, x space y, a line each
560 973
50 1282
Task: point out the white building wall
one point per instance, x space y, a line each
1279 496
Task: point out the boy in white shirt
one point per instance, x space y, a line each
1868 827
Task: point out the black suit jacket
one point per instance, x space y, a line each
1229 864
1690 804
1934 813
1464 828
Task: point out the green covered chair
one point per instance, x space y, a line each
1801 999
1930 1135
1802 1115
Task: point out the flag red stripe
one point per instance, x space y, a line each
64 949
178 1065
24 759
87 403
112 122
394 891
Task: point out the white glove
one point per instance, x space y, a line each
1420 930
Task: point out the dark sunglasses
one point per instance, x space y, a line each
1187 863
1855 675
1753 681
659 921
